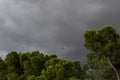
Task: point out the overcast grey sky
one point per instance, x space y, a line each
50 25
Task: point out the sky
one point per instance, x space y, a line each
53 26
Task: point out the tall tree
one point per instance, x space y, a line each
106 44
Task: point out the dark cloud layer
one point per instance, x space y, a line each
53 26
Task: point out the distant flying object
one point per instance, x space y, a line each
62 48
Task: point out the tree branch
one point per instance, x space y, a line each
117 74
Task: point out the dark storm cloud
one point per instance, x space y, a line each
110 14
53 26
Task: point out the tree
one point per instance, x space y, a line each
37 63
106 44
73 79
3 65
12 76
13 62
3 75
60 69
32 77
37 66
42 77
3 70
98 68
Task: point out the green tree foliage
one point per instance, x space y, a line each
3 65
37 66
3 70
98 68
104 46
60 69
3 75
12 76
41 77
73 79
31 77
13 62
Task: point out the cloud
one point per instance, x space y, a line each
53 26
